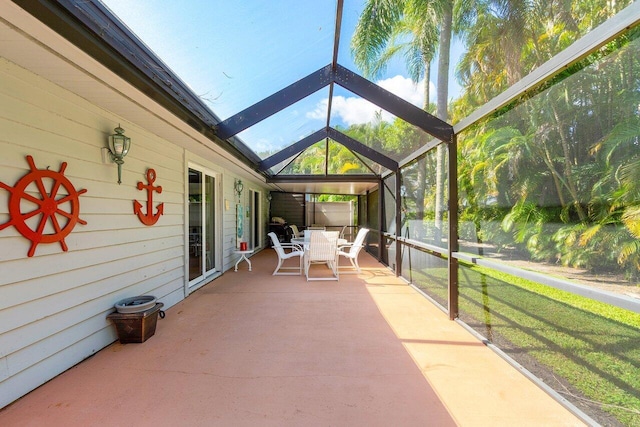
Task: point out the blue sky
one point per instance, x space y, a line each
235 53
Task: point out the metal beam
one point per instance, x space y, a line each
274 103
393 104
398 224
363 162
419 152
321 178
292 150
336 34
362 149
335 135
381 223
610 29
453 288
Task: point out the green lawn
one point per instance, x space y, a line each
592 345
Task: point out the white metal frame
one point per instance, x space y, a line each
294 251
192 285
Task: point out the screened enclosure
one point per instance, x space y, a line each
494 149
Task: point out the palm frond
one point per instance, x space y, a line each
373 32
631 220
628 250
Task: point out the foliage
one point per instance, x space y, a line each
554 175
336 198
558 169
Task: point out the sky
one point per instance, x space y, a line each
235 53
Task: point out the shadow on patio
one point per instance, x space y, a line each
253 349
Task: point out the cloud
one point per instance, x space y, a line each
320 112
353 110
405 88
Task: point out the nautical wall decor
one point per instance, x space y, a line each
239 224
149 218
51 214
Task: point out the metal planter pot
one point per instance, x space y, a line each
137 326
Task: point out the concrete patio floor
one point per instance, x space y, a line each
251 349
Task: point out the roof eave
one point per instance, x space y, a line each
96 31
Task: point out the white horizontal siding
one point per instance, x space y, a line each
228 219
53 306
64 332
28 380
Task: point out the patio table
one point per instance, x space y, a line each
304 241
243 256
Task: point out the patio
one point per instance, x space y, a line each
253 349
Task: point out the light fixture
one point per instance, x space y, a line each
269 197
119 145
238 187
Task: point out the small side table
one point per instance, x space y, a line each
243 256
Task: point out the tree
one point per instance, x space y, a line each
557 164
413 28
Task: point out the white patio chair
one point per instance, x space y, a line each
351 250
294 250
295 231
322 249
343 232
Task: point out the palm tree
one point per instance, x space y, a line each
570 157
412 28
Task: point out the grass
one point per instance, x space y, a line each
595 347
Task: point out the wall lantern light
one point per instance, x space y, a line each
119 145
238 187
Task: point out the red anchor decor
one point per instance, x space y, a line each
62 211
149 218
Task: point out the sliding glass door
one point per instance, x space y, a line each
256 228
202 225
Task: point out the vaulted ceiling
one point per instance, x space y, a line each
111 40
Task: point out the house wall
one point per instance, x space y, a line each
290 207
226 206
54 305
330 213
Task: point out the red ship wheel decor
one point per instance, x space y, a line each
149 218
48 217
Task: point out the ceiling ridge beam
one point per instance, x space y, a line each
363 150
322 178
356 156
393 104
275 102
292 149
336 35
362 161
337 136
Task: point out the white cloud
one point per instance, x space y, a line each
357 110
320 112
353 110
405 88
263 145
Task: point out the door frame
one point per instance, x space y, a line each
217 245
257 227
